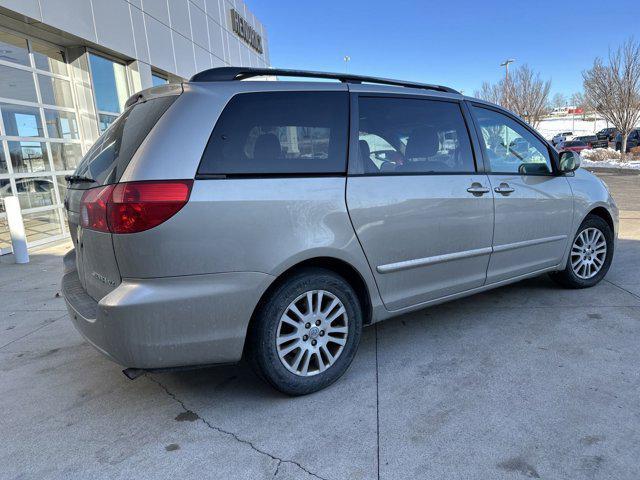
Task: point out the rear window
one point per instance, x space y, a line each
107 160
279 133
575 144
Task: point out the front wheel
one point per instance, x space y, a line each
306 334
590 256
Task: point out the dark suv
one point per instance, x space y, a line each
633 140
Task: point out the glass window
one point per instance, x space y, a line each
280 133
110 155
17 84
5 191
21 121
509 146
401 135
34 192
13 49
109 84
29 157
55 91
62 186
61 124
105 121
41 225
3 160
66 156
158 80
50 59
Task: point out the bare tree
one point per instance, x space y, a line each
524 93
493 93
577 100
613 89
527 94
559 101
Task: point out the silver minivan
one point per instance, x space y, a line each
220 219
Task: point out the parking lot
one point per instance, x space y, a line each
527 381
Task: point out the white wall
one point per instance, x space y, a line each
180 37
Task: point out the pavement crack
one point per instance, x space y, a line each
623 289
233 435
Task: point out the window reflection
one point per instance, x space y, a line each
50 59
34 192
17 84
55 91
13 49
3 160
5 191
61 124
20 121
105 121
62 186
66 156
28 157
41 225
109 84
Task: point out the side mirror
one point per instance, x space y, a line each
569 161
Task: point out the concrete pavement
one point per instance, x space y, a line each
527 381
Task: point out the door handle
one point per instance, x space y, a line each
478 189
504 189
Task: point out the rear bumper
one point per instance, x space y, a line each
167 322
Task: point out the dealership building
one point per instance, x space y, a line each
67 68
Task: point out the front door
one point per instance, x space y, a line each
533 206
422 213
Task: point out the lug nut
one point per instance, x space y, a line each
318 322
322 333
307 325
313 342
305 338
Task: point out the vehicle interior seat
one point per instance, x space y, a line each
267 146
423 144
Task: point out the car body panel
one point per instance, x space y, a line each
425 236
532 224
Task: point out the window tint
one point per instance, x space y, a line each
109 83
110 155
402 135
509 146
279 133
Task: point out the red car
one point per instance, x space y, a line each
572 145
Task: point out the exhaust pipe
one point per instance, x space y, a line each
133 373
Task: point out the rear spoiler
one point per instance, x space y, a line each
155 92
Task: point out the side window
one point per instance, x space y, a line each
279 133
406 135
509 146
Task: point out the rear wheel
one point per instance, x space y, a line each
590 256
306 334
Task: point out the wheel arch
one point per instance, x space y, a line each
336 265
604 214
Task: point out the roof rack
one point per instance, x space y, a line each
223 74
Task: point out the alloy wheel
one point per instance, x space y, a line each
588 253
312 333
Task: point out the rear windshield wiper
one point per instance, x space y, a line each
79 178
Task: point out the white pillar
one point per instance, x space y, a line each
16 229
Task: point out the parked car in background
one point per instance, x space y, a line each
608 134
591 141
282 230
633 140
572 146
561 137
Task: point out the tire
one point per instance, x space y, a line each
340 340
568 277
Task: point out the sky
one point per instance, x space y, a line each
455 43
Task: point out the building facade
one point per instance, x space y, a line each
68 66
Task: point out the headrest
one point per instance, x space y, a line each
267 146
423 143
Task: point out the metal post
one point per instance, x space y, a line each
16 229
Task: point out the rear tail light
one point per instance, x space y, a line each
134 206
